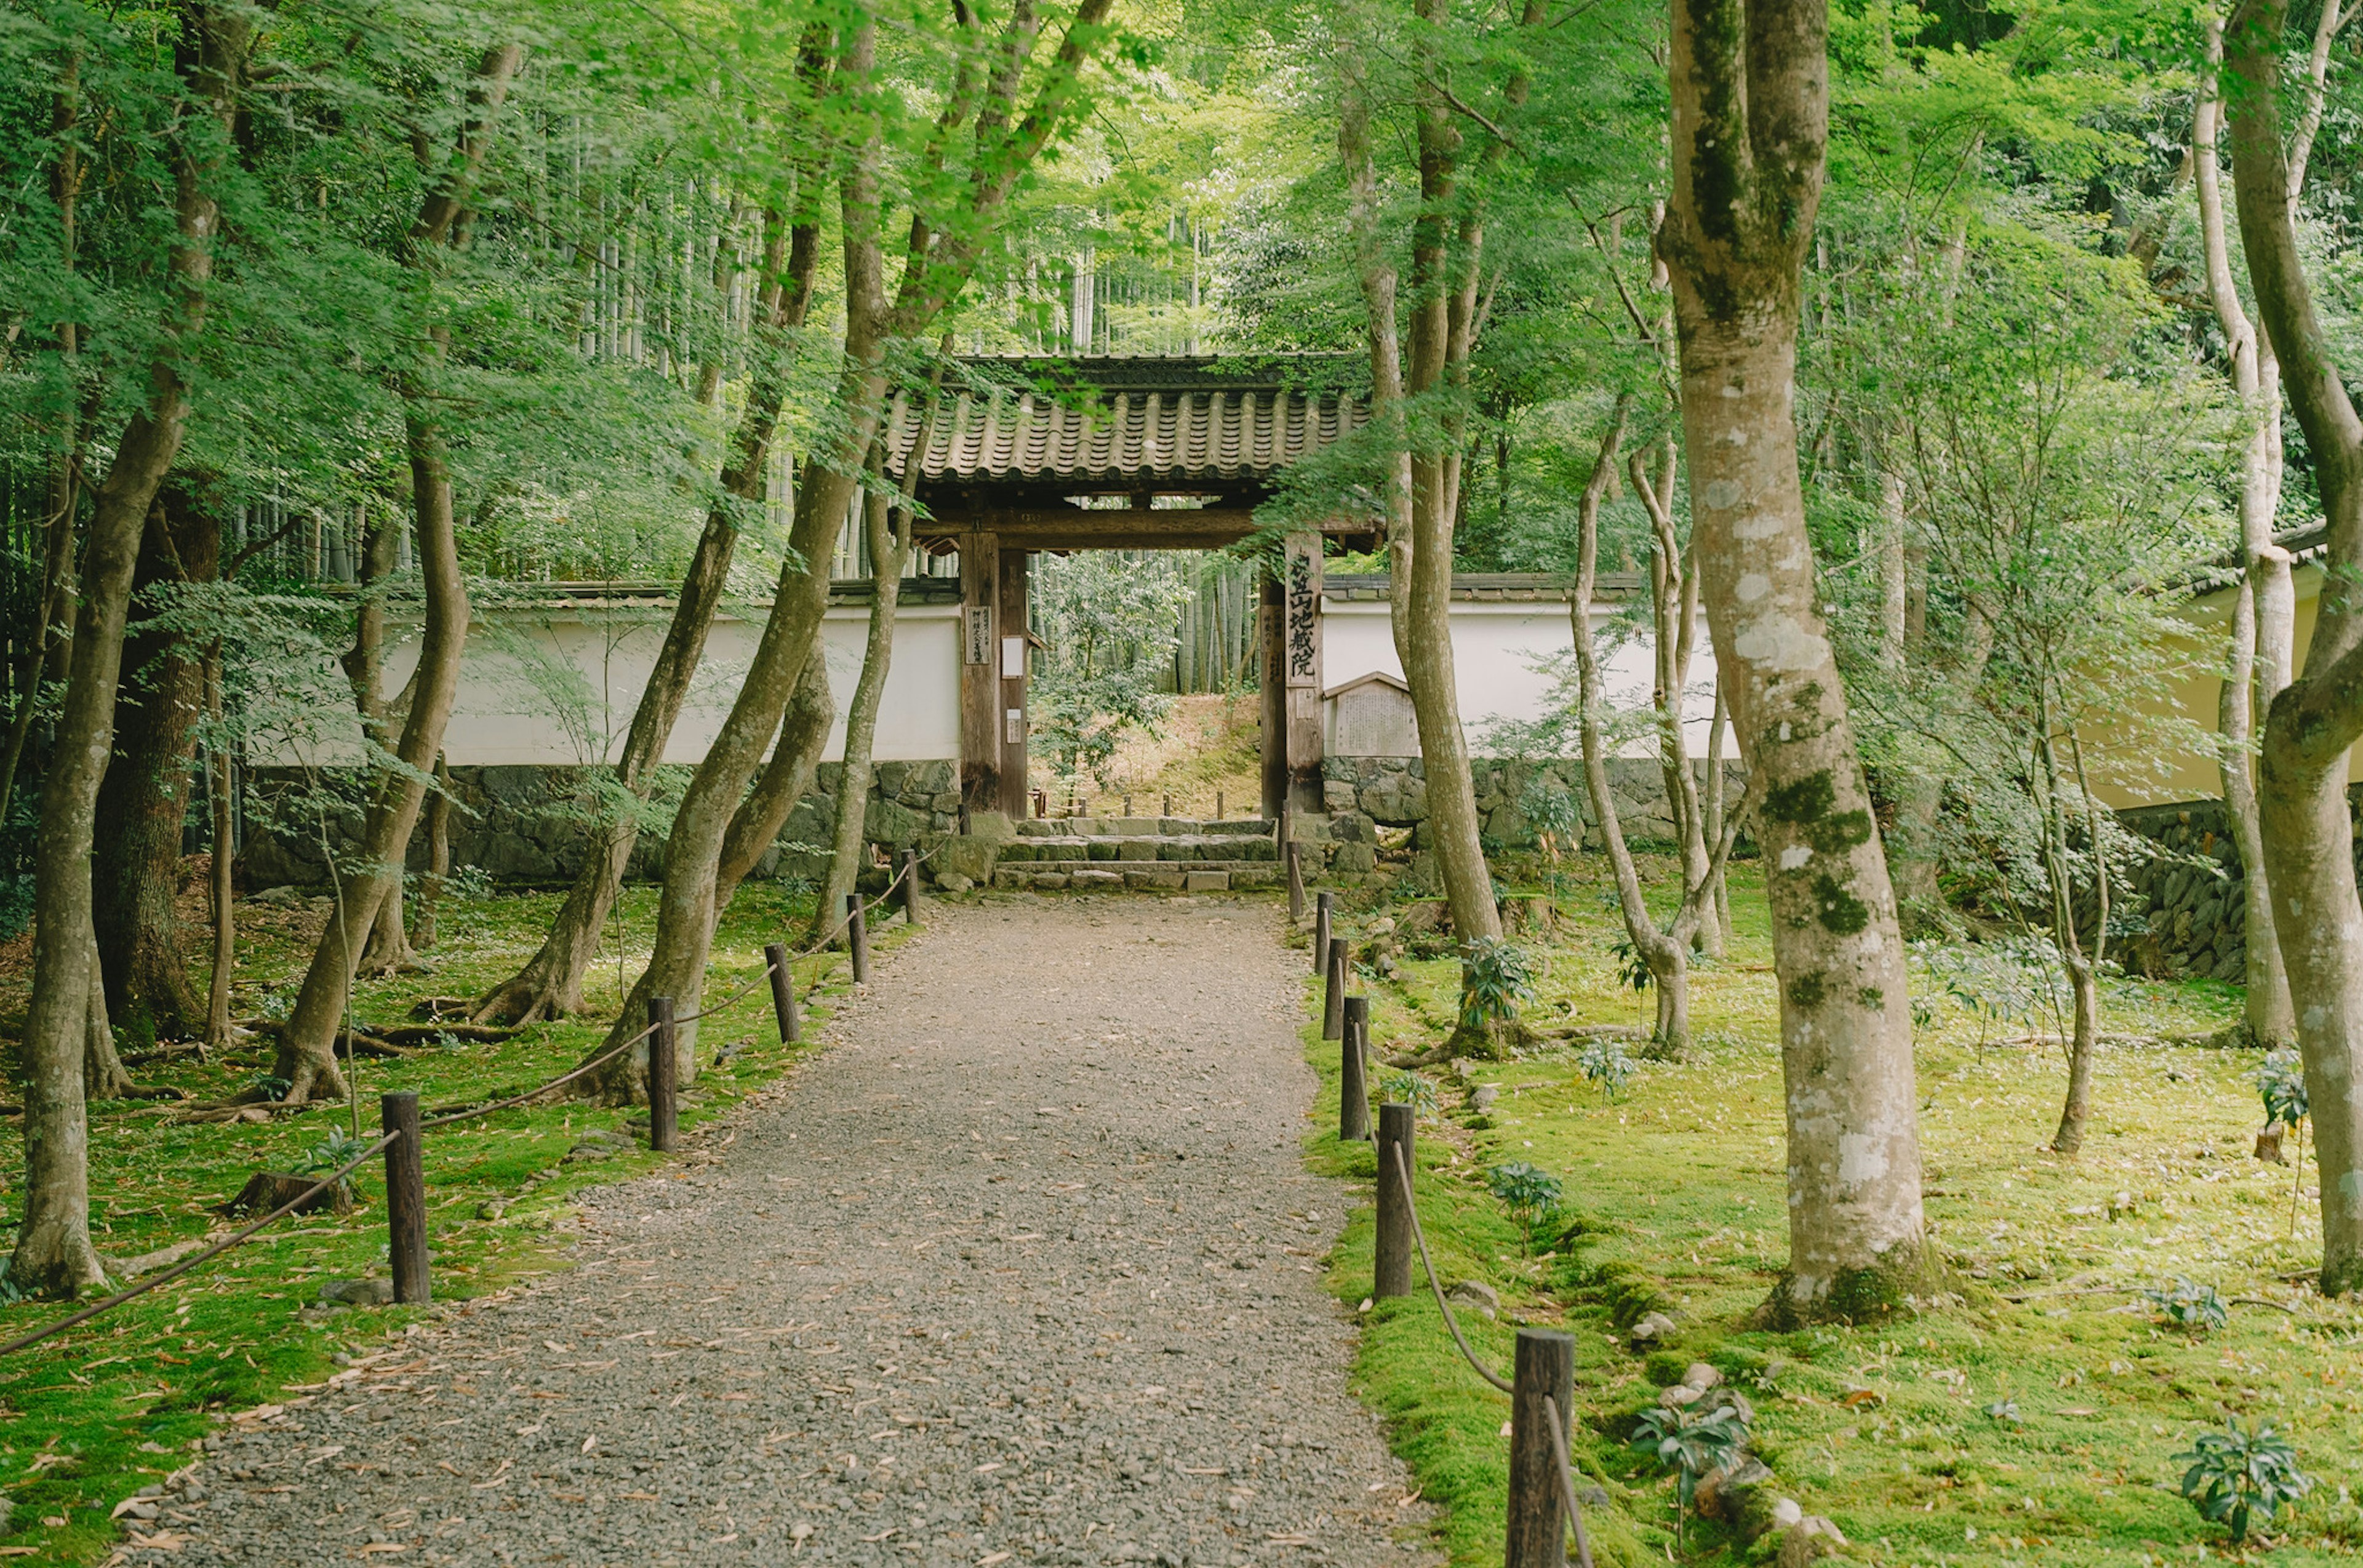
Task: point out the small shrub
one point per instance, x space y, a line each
2187 1306
2003 1409
1495 982
1605 1064
2234 1472
272 1087
338 1151
2280 1084
1410 1089
1690 1443
1632 969
1530 1193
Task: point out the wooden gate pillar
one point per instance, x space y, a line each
1301 651
979 685
1269 664
1011 663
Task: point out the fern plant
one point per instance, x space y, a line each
1411 1089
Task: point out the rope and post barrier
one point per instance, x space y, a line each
1353 1082
1324 909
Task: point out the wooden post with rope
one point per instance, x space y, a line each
783 993
664 1061
857 938
1545 1377
1353 1082
1333 1007
1324 909
1393 1274
406 1197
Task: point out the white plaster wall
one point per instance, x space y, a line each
1496 648
554 689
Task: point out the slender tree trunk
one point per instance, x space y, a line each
53 1251
219 786
306 1056
2264 619
1719 923
144 801
551 983
2307 835
386 948
755 827
2083 979
1749 82
103 1073
439 855
56 602
889 532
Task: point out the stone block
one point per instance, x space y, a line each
1096 879
967 856
1018 850
1153 877
1102 849
1205 881
891 777
1136 849
1051 879
887 823
1253 849
948 803
1353 860
1176 850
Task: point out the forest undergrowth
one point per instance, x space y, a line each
2029 1412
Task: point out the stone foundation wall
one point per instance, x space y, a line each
1392 792
2191 900
523 825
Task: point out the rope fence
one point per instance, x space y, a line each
1544 1505
406 1188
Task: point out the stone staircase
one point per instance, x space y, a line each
1177 853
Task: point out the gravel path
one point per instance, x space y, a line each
1022 1270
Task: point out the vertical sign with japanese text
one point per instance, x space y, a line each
1300 595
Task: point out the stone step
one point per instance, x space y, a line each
1174 876
1139 848
1144 827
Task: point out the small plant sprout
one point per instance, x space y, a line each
1531 1194
2280 1084
1411 1089
1690 1443
1605 1064
2234 1473
340 1150
2003 1409
2197 1308
1495 982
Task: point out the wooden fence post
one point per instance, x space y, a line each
1333 1006
1545 1370
1218 805
1353 1083
406 1197
1325 907
857 938
664 1061
911 886
1393 1275
783 993
1295 880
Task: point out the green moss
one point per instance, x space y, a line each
1837 909
1881 1424
128 1396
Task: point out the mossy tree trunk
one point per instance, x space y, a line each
1750 95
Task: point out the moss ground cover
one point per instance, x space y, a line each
2028 1413
87 1419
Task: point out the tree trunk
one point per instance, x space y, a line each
53 1251
755 827
218 787
1665 951
103 1074
1750 133
551 983
2264 618
306 1046
387 949
136 865
56 601
2308 839
886 555
438 856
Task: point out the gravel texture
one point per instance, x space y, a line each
1023 1268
